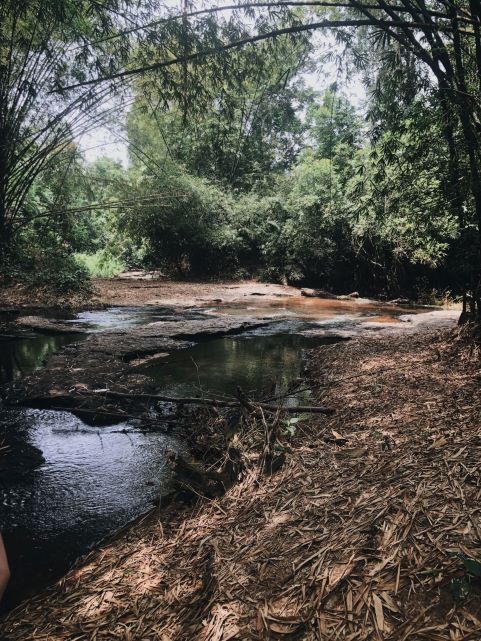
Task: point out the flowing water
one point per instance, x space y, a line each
91 481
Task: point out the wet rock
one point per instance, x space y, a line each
208 327
47 326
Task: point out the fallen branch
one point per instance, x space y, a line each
57 404
117 416
299 409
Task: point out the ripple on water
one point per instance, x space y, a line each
92 482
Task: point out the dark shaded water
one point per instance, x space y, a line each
92 482
22 355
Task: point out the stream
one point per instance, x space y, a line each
91 481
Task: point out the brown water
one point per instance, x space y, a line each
313 309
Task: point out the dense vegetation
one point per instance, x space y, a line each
236 165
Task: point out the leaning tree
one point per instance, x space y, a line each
44 45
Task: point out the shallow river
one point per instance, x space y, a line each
94 480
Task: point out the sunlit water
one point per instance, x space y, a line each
129 316
92 482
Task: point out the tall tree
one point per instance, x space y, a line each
445 36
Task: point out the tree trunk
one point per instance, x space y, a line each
4 240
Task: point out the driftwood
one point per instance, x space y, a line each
108 418
322 293
299 409
316 293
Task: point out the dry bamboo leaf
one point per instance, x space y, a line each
440 442
353 452
283 628
378 610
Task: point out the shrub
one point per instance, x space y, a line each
102 264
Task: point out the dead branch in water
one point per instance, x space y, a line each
299 409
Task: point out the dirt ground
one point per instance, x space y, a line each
370 530
165 292
137 291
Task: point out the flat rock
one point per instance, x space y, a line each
48 326
208 327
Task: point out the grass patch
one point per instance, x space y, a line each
102 264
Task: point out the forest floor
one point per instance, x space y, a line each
371 529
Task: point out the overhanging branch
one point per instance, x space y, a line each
323 24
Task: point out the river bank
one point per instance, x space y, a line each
142 291
360 534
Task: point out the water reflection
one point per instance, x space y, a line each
92 482
257 363
21 356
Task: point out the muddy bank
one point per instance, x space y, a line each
137 291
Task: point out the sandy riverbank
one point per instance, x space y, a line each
131 291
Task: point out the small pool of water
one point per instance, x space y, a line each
258 363
93 481
24 354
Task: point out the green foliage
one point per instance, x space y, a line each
243 137
402 201
291 424
184 223
52 267
460 589
472 566
102 264
247 172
